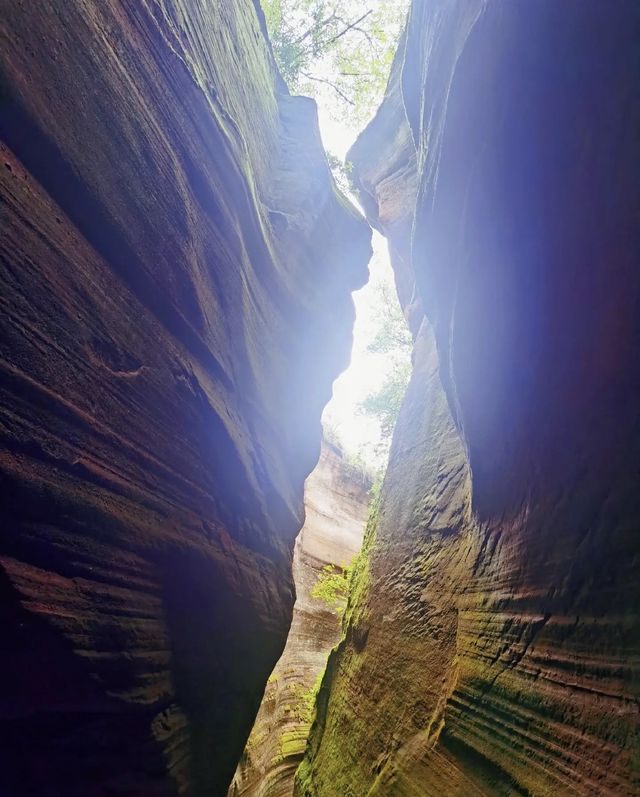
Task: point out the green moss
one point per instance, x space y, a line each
360 568
292 742
328 683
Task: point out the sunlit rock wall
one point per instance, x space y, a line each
336 504
493 641
176 272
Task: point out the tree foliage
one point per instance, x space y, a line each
342 48
392 335
392 339
386 401
341 172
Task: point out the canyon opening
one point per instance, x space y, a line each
320 418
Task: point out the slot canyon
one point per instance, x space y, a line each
177 265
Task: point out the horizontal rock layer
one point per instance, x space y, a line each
176 271
336 505
493 643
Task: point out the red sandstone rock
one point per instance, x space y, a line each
494 646
170 331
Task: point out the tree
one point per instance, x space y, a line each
392 335
326 46
385 403
341 173
392 339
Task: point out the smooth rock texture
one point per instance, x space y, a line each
336 504
493 642
176 272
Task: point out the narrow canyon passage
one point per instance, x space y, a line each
178 258
336 503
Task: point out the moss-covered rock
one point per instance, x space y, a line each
494 648
336 501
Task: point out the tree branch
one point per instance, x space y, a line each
328 83
355 26
315 29
347 29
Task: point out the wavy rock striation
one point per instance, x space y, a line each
176 276
493 643
336 504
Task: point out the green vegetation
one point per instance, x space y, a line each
393 339
331 435
360 567
340 53
392 343
338 49
332 587
306 699
355 466
341 173
385 402
334 679
292 743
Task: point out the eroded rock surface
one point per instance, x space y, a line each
176 276
493 642
336 504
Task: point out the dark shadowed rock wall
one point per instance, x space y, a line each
336 504
493 642
176 271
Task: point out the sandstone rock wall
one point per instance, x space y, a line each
336 504
492 644
176 272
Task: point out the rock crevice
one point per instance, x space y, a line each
336 504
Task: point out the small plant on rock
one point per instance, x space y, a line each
332 587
